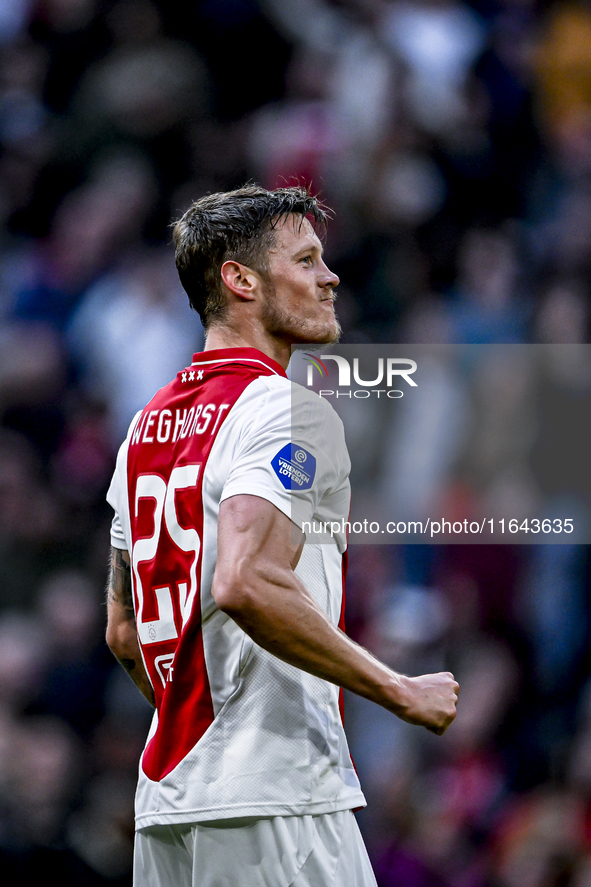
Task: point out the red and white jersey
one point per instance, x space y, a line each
236 732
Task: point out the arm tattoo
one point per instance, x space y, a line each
121 617
119 585
128 664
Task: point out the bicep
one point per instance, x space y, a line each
255 540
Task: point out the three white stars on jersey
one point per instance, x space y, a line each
190 376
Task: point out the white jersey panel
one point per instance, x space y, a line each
272 413
269 414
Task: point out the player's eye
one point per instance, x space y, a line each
307 259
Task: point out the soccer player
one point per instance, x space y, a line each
226 617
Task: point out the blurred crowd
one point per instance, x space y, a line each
453 141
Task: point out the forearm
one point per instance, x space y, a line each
280 615
256 585
124 645
121 633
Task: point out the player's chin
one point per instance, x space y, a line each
324 334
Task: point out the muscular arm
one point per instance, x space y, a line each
255 584
121 630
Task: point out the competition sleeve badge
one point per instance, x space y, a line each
295 467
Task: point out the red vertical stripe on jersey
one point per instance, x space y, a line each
176 433
184 715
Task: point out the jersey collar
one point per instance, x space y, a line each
251 356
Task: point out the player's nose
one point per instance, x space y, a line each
328 278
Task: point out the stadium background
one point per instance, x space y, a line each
453 140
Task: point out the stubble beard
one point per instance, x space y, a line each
296 330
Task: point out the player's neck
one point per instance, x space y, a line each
221 336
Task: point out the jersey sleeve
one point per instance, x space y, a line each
117 536
114 498
291 450
117 495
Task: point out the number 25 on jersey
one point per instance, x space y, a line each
165 602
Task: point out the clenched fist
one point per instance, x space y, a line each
429 700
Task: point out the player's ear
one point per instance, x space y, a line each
239 279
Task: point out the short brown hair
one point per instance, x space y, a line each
233 225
